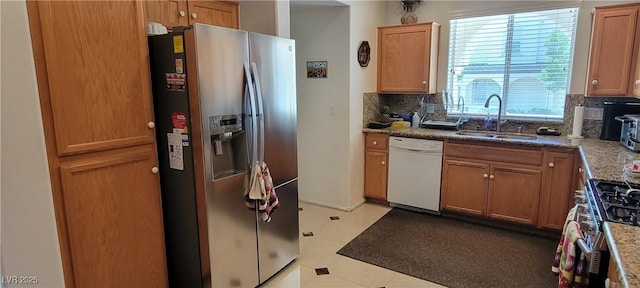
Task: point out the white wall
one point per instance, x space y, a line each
29 235
265 16
440 11
322 34
366 16
330 139
258 16
283 18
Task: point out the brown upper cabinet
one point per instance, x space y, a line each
100 89
613 61
172 13
408 58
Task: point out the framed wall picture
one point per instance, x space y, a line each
316 69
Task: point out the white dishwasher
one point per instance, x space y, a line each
415 166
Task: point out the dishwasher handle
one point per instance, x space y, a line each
421 151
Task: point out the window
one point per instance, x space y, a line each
523 57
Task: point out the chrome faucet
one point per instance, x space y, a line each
486 105
461 117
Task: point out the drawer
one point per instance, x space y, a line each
500 154
378 141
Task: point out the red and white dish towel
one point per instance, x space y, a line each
261 191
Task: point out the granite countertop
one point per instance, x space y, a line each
624 242
541 141
603 161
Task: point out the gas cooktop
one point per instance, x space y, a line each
618 201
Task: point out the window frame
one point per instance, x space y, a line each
453 109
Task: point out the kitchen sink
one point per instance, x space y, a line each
497 136
517 137
475 134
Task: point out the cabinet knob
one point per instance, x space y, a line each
151 125
491 177
552 165
194 15
594 82
485 176
375 142
382 163
182 13
155 170
580 170
424 82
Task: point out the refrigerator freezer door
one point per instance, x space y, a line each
220 55
278 240
275 60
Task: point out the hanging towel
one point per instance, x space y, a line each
571 216
261 190
257 190
572 262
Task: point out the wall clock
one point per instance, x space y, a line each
364 52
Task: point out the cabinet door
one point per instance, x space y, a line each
113 214
464 186
169 13
612 47
555 197
375 175
97 69
513 193
635 80
218 13
405 60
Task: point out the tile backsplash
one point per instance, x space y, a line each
408 103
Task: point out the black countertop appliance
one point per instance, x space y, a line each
611 127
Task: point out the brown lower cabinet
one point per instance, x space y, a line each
613 275
521 185
496 190
113 215
556 196
375 162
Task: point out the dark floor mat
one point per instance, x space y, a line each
454 253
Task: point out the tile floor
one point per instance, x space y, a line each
319 251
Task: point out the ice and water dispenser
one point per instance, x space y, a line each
228 142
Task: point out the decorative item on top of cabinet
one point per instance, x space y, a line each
409 17
407 58
613 60
375 163
186 12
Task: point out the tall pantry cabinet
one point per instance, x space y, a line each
92 69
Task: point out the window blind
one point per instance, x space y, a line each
525 58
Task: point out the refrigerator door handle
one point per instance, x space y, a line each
256 78
253 157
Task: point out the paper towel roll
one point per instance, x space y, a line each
578 119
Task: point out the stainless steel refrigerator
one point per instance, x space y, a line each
224 100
